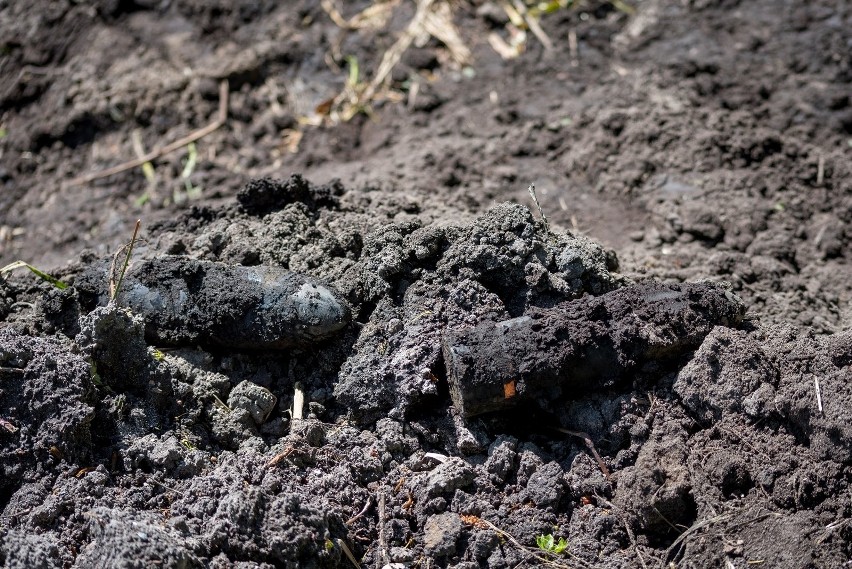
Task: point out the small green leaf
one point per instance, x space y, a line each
545 542
150 174
549 544
93 372
354 70
41 274
191 160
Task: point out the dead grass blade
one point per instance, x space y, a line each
39 273
375 16
115 282
439 24
432 18
531 22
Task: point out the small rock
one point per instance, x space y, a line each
546 485
502 458
257 400
442 531
449 477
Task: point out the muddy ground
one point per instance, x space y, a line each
357 342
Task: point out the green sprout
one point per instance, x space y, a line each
188 444
548 544
41 274
96 377
191 161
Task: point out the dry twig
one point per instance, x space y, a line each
694 528
375 16
362 512
591 446
167 149
348 552
818 394
383 544
115 284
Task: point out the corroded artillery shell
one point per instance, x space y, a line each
187 302
580 345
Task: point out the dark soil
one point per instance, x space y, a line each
361 339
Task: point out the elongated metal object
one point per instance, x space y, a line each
187 301
580 345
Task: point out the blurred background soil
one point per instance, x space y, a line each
693 137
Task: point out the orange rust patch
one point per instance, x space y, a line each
474 521
509 389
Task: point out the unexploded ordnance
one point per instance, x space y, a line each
187 301
580 345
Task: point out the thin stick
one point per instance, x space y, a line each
348 552
383 546
572 48
169 488
818 394
533 25
709 522
167 149
534 197
694 528
820 170
298 412
115 287
393 55
591 446
362 512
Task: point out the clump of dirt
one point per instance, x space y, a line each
216 436
409 367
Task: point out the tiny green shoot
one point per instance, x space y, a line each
354 89
96 377
188 444
41 274
147 169
354 71
549 544
188 169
